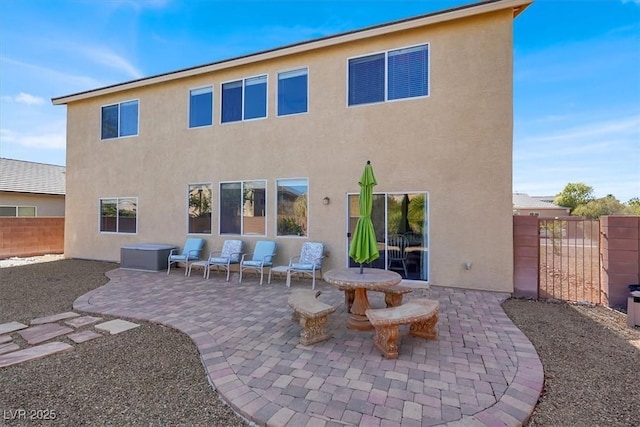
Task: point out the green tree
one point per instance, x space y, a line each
633 206
594 209
574 195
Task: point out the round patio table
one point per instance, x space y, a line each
351 279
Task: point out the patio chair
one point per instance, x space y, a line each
308 262
396 253
262 258
230 254
189 254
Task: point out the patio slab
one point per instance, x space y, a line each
82 321
116 326
7 348
44 332
54 318
33 353
7 328
79 337
5 338
481 370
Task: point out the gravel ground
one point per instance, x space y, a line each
592 371
152 375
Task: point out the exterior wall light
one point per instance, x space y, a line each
326 200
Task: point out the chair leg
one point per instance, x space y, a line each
187 265
262 274
228 272
168 267
240 279
288 278
313 280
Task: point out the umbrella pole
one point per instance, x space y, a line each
361 268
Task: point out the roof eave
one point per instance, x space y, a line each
433 18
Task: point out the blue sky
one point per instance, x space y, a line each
576 70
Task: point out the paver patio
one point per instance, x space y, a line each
481 371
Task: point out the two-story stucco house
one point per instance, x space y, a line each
271 146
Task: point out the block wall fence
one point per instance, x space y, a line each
24 237
619 257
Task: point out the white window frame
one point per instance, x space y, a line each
117 199
17 211
386 75
242 184
213 115
277 91
210 185
287 236
244 80
119 104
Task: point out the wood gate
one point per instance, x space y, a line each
569 260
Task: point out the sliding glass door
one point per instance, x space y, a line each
401 224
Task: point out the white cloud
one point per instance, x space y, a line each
53 77
111 59
624 126
28 99
51 137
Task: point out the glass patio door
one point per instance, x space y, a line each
400 221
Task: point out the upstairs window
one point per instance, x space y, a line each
244 99
201 107
119 215
119 120
396 74
293 92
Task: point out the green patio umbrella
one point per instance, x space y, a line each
364 247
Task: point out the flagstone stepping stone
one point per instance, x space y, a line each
83 336
5 338
33 353
40 333
116 326
82 321
6 348
54 318
5 328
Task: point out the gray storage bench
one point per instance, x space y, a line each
145 256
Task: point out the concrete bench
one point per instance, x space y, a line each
392 295
420 313
312 315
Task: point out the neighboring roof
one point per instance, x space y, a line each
19 176
524 201
517 6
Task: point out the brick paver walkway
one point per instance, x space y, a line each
481 371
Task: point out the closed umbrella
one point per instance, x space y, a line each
364 247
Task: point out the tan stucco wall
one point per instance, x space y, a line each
46 204
456 144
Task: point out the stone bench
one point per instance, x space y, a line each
392 295
420 313
312 315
